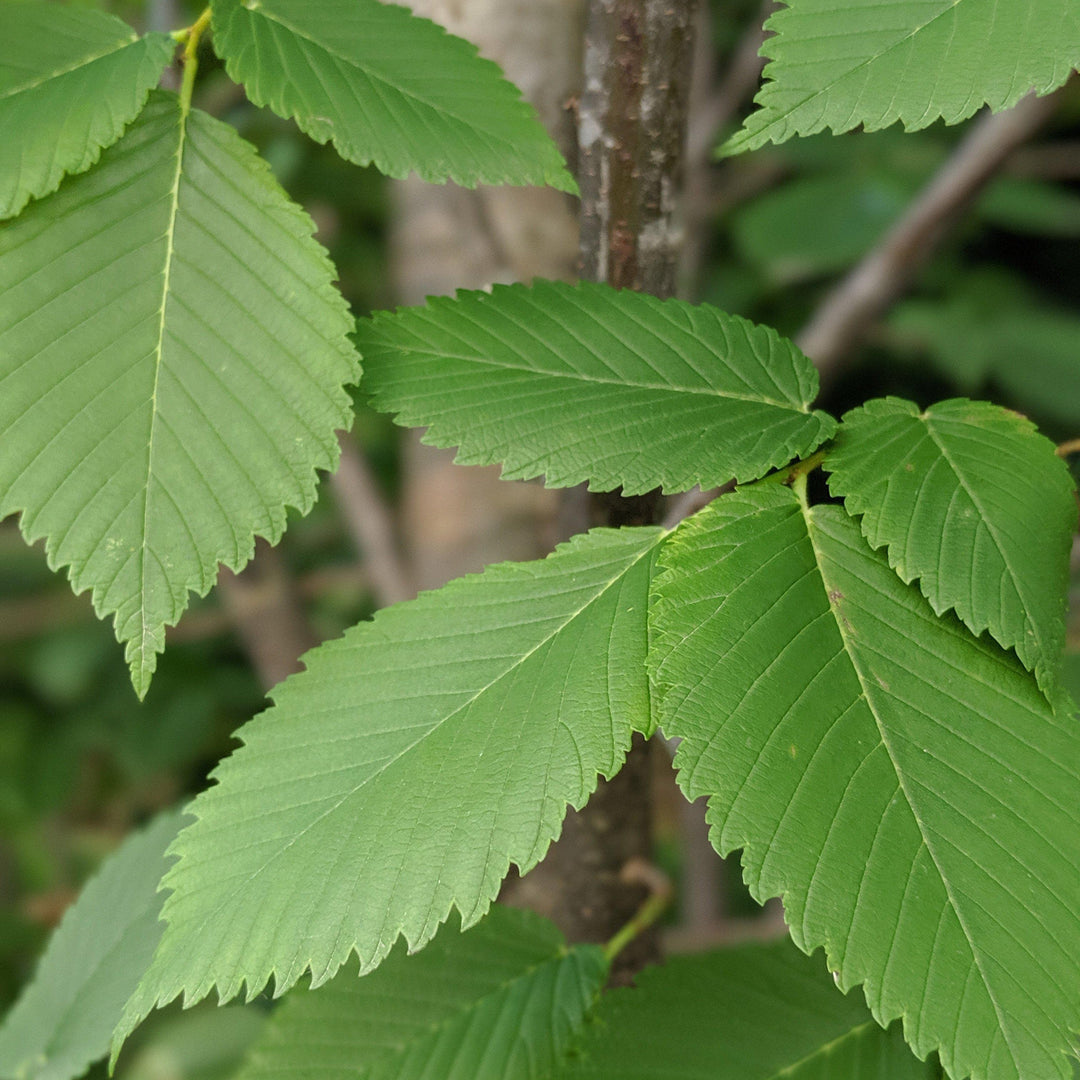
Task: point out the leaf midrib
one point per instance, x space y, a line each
155 408
82 62
707 392
435 1030
866 694
854 1032
439 108
824 90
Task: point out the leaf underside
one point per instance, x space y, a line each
403 772
172 365
970 500
388 89
754 1012
501 1001
901 784
837 65
66 1015
587 383
71 80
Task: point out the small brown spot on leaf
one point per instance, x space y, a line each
835 596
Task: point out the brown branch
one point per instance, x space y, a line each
370 522
841 321
768 926
631 138
1056 160
269 619
631 135
44 613
690 502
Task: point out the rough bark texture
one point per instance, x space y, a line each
632 127
632 131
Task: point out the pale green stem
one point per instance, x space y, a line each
795 472
191 38
798 485
642 919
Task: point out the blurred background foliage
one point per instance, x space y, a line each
994 315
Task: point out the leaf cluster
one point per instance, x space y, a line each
867 690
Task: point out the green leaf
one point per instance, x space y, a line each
71 80
1031 206
837 65
403 772
755 1012
102 947
172 361
902 784
204 1043
500 1002
388 89
972 501
589 383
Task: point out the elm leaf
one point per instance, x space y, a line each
173 361
902 784
400 775
971 501
587 383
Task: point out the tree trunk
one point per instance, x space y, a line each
458 520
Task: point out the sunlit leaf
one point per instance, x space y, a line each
971 501
902 784
838 65
71 80
388 89
172 361
407 768
588 383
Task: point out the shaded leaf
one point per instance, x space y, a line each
588 383
172 361
407 768
388 89
755 1012
902 784
819 224
992 334
104 944
71 80
970 500
501 1001
204 1043
1031 206
837 65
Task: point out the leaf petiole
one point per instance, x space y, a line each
190 60
660 893
799 469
